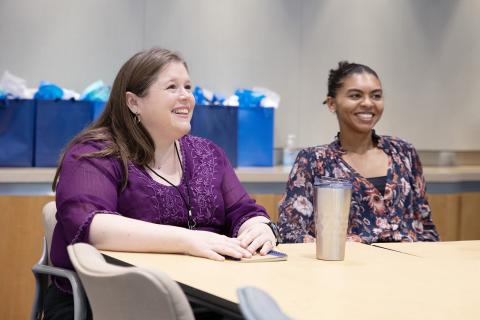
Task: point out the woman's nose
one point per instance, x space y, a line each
367 101
184 93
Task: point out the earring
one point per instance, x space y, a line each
137 118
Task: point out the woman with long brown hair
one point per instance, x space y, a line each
136 181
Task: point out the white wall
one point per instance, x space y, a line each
72 43
425 51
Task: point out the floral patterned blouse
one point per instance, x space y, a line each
401 214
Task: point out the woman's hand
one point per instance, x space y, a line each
255 234
214 246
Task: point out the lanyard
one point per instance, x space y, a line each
191 222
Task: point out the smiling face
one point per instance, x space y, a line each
166 109
358 103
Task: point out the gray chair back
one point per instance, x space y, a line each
49 221
256 304
117 292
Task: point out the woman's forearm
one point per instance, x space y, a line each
114 232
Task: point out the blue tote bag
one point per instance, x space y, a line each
17 120
255 136
220 125
57 122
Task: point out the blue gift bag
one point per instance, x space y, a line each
255 137
246 134
98 107
57 122
17 120
218 124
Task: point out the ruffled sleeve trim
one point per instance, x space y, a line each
80 235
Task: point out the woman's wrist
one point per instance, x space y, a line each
251 221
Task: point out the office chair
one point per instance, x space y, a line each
42 271
256 304
117 292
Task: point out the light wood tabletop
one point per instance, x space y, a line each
445 250
371 283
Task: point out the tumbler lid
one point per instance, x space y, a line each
330 182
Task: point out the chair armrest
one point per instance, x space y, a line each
79 297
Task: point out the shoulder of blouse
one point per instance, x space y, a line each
76 151
401 145
83 148
319 152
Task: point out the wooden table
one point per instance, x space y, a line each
446 250
371 283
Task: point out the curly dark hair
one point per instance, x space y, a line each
345 68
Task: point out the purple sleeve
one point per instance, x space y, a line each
239 207
86 187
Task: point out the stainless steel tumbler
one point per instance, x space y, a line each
331 207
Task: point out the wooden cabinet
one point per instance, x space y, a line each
270 203
21 230
446 214
470 216
456 215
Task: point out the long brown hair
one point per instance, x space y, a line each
123 136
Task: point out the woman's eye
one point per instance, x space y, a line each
188 87
355 96
377 96
171 87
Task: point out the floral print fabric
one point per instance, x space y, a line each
401 214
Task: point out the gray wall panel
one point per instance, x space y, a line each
72 43
232 44
426 52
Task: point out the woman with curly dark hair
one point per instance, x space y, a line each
388 197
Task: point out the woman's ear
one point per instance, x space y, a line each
132 102
331 105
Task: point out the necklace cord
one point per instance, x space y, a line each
190 220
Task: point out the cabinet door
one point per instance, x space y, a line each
470 216
446 214
21 229
270 203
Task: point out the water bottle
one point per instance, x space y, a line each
289 152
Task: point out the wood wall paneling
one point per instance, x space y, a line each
457 217
21 229
446 215
445 212
270 203
470 216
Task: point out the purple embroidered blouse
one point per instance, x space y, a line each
88 186
401 214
